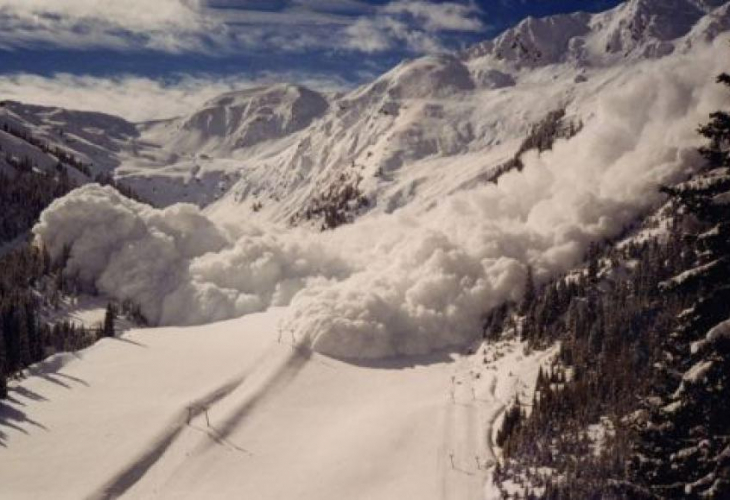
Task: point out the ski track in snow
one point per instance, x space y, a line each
287 370
472 415
291 366
468 435
136 470
461 477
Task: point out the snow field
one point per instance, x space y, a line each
232 410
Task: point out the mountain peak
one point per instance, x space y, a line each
649 26
245 118
637 28
534 41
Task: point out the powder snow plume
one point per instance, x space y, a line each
404 283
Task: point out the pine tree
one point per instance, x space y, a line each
528 299
683 449
3 373
717 131
109 316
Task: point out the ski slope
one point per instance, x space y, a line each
233 410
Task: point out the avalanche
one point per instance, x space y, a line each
410 282
288 362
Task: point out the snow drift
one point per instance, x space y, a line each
399 284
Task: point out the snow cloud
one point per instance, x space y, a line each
399 284
175 263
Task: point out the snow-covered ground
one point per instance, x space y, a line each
232 410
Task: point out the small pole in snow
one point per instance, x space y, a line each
453 399
479 465
451 456
279 339
207 420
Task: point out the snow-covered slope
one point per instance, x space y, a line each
634 30
231 410
429 127
239 120
94 139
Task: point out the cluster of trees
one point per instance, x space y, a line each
605 319
25 337
683 445
30 284
541 137
336 204
25 192
64 157
107 180
30 288
635 357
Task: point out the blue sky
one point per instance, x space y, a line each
328 44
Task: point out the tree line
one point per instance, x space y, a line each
635 357
31 290
31 286
63 156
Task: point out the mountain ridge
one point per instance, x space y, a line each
276 152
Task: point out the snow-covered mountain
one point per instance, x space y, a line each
579 152
634 30
426 128
389 143
240 120
45 133
468 196
426 140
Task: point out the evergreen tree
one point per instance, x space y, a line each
109 317
3 373
683 449
717 131
528 299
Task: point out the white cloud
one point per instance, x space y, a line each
226 26
138 98
368 35
168 25
439 16
415 25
